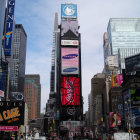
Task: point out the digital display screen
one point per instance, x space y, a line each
70 91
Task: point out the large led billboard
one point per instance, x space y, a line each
69 29
9 27
136 116
132 64
69 11
70 91
69 61
116 80
12 113
115 119
71 112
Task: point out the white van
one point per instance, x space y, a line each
125 136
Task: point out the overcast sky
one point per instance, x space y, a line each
37 18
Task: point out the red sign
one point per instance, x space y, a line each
8 128
70 91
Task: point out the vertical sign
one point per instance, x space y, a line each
9 27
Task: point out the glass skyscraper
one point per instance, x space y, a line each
124 37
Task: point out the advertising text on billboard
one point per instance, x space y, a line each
68 11
9 27
11 113
69 42
69 61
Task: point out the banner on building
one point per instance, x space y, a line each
69 30
70 91
11 113
69 11
9 27
116 80
115 119
69 42
69 61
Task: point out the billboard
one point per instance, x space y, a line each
69 11
135 97
113 61
71 112
11 113
9 27
69 30
69 61
136 116
116 80
132 64
70 91
115 119
69 42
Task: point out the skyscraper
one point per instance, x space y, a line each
32 92
18 60
30 98
53 77
124 37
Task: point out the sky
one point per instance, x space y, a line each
37 18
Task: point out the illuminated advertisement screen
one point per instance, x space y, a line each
69 29
115 119
12 113
9 27
135 97
68 11
136 116
116 80
71 112
132 64
70 91
69 61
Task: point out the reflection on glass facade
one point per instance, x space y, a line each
124 34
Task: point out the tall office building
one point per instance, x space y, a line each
18 60
51 104
30 98
32 93
2 19
53 77
124 37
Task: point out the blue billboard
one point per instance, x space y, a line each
9 27
68 11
